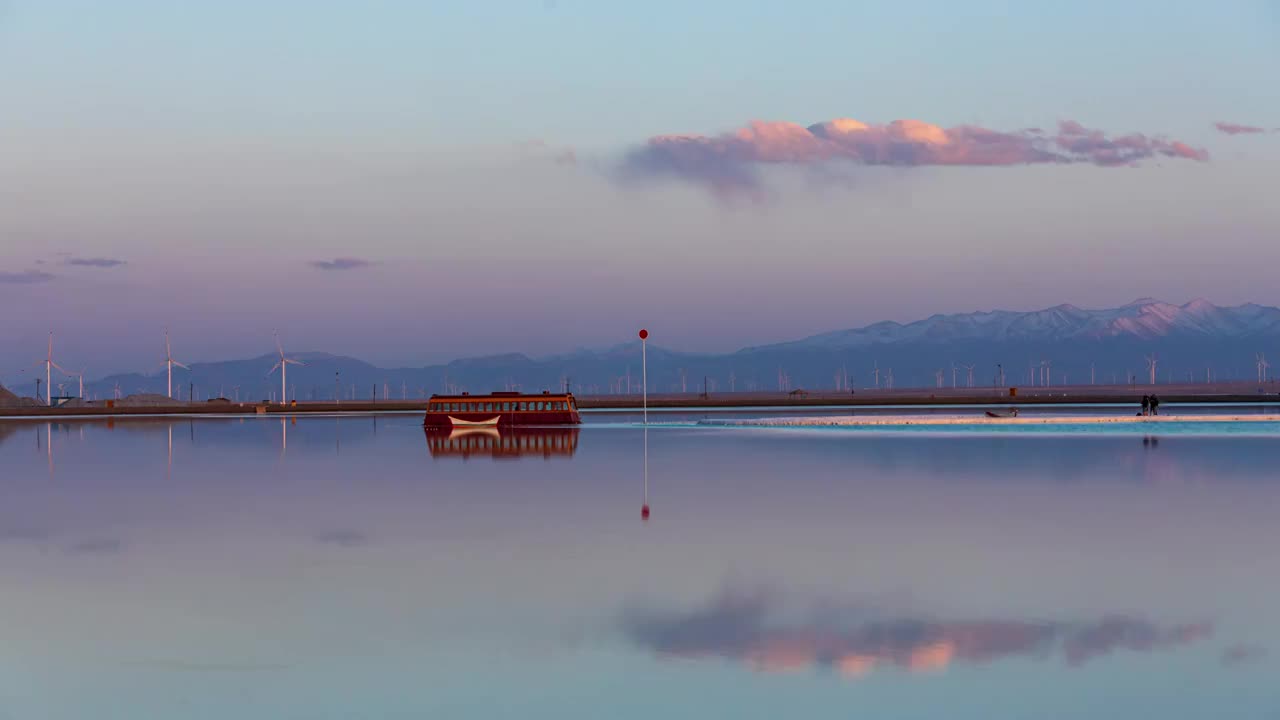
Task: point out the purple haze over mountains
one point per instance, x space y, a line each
1193 341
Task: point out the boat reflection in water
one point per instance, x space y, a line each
502 443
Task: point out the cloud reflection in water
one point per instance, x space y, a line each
755 627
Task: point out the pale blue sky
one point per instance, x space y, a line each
218 148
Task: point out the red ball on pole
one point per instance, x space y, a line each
644 334
644 512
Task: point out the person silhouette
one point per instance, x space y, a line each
1146 404
1155 405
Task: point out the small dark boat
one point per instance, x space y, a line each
1011 414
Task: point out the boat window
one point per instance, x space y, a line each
523 405
506 407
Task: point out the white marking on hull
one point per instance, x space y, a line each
465 423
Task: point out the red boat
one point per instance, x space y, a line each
501 409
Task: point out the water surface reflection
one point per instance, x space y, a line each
350 567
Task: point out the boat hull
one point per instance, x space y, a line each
515 419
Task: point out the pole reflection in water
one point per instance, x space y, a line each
644 509
502 443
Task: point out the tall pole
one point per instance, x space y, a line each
644 374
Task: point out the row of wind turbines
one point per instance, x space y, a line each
49 364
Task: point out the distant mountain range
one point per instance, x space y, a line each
1142 319
1067 344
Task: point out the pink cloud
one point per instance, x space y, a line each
730 161
1237 129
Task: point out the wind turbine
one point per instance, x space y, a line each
169 362
283 366
49 364
970 369
1152 361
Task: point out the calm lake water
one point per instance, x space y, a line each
357 568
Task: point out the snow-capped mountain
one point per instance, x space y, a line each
1142 319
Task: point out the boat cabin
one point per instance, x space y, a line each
502 409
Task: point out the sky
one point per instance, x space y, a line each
411 182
